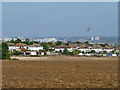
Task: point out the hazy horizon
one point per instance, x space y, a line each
60 19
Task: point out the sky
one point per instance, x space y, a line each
59 19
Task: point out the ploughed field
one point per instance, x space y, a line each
61 72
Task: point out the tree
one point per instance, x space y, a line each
103 45
86 42
31 43
60 51
104 52
76 52
45 46
51 50
0 51
65 51
7 56
71 53
5 52
27 48
36 42
83 52
12 41
77 42
51 44
112 52
17 41
27 41
93 51
67 44
17 53
58 43
91 44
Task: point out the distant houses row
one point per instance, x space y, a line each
84 49
22 46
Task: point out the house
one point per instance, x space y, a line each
97 48
59 48
35 47
84 48
70 48
74 46
12 46
108 48
84 45
52 48
17 47
22 46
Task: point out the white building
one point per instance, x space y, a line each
70 49
61 48
92 38
6 39
58 49
97 49
85 50
46 40
97 38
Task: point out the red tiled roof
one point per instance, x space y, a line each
10 44
20 44
97 47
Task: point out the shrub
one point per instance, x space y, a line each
71 53
4 50
14 59
17 53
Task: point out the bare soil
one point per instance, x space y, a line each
61 72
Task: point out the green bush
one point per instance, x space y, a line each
45 46
4 50
17 53
75 52
65 51
71 53
14 59
93 51
58 43
8 56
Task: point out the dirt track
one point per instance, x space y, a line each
61 72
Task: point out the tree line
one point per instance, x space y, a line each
4 53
